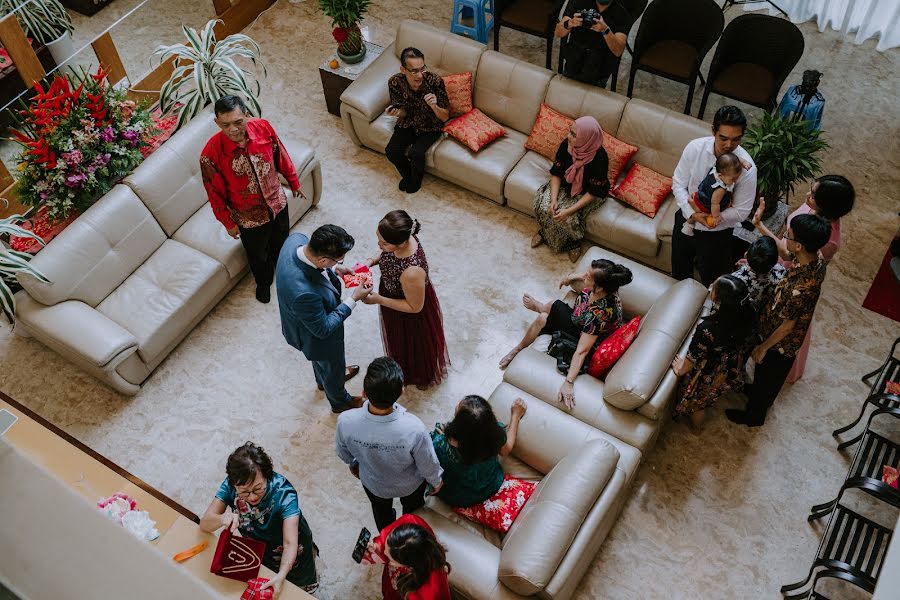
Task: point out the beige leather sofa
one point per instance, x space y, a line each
138 270
511 91
584 459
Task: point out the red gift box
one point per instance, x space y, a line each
360 276
254 590
237 557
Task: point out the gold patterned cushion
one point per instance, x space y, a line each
550 129
643 189
459 91
474 129
619 154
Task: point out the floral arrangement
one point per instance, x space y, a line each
80 137
122 509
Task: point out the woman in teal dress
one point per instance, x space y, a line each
469 448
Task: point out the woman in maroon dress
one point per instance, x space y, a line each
412 327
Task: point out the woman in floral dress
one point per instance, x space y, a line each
412 327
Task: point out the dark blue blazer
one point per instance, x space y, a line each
312 315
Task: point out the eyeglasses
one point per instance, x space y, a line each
417 71
257 491
340 262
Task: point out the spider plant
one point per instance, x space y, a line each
44 20
13 262
205 70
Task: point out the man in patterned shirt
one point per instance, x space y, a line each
784 321
240 167
419 101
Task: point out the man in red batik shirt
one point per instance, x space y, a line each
240 167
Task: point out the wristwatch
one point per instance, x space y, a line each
566 24
606 31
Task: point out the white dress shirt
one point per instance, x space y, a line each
349 301
695 162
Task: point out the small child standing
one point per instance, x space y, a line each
761 271
388 449
715 191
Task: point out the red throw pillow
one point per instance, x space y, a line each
612 348
459 92
643 189
550 129
892 387
619 154
500 510
474 129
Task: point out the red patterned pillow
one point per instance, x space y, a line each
500 510
474 129
619 154
612 348
643 189
459 91
550 129
892 387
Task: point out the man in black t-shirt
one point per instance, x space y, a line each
593 52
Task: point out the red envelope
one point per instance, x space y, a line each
254 590
360 276
237 557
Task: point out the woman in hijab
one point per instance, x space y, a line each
578 183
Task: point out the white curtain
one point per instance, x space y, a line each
865 18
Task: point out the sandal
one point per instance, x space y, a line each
537 239
575 253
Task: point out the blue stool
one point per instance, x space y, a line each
480 9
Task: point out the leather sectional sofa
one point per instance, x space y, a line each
139 269
510 91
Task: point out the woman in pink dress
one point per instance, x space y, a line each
832 197
412 327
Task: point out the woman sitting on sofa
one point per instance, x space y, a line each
596 314
469 448
579 181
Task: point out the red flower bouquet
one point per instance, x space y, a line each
340 34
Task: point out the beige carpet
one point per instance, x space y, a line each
716 516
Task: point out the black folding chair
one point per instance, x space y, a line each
879 401
888 371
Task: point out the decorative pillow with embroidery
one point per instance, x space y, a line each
550 129
612 348
500 510
892 387
643 189
619 154
474 129
459 92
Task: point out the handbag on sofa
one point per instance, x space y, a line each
562 347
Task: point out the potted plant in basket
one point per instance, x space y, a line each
205 70
345 17
13 262
47 22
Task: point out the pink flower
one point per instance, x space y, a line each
107 134
75 180
72 158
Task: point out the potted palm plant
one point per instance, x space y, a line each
13 262
206 69
47 22
345 17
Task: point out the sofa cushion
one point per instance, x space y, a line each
444 52
97 252
485 172
380 131
646 287
164 295
612 348
204 233
623 227
509 90
643 189
550 129
459 92
500 510
575 99
619 153
527 176
474 129
554 515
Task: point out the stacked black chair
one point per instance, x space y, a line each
880 402
534 17
889 371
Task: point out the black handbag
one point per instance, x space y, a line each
562 347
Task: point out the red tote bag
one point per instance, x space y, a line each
237 557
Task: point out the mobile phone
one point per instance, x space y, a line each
362 543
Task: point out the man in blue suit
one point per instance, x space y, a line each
312 313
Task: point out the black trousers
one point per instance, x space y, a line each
383 508
407 151
767 383
262 245
711 249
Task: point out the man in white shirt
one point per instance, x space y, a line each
711 246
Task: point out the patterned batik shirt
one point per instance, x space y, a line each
795 300
598 318
419 115
242 183
761 287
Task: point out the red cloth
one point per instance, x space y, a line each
254 590
436 588
500 510
237 557
612 348
242 183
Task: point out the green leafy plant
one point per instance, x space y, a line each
44 20
13 262
786 152
205 70
345 17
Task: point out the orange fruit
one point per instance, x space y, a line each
334 64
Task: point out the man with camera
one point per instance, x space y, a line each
597 32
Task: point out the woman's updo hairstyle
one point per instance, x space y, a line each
397 226
610 276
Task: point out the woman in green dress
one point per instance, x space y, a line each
469 448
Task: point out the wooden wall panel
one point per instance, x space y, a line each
240 15
20 51
108 55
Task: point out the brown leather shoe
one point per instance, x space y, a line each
575 253
352 371
355 402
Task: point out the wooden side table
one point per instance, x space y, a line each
335 81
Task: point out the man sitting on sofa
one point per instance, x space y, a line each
419 101
240 167
596 39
